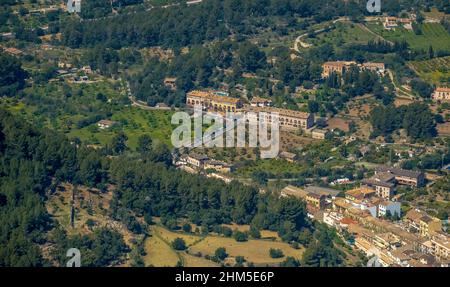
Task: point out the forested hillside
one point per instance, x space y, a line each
181 26
29 160
86 101
34 162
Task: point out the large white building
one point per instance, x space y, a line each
441 94
390 207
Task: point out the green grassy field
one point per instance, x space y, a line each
160 253
434 34
256 251
343 34
134 123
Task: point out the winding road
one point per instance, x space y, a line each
141 104
299 43
400 93
298 40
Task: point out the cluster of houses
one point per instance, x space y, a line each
67 70
365 200
12 51
339 67
317 198
106 124
392 248
391 23
416 239
290 120
199 163
386 178
420 223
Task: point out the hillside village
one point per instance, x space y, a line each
364 108
370 217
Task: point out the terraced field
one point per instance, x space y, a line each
160 252
256 251
436 70
434 34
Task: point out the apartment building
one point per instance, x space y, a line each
213 101
313 195
441 247
382 189
438 246
316 200
384 259
196 160
356 209
389 207
289 119
319 134
360 193
402 176
337 67
429 226
364 200
218 166
374 67
441 94
419 222
332 218
383 183
260 102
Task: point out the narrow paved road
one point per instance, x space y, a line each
298 40
141 104
400 93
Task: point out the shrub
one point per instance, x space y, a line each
240 236
179 244
276 253
227 232
187 228
254 232
221 253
